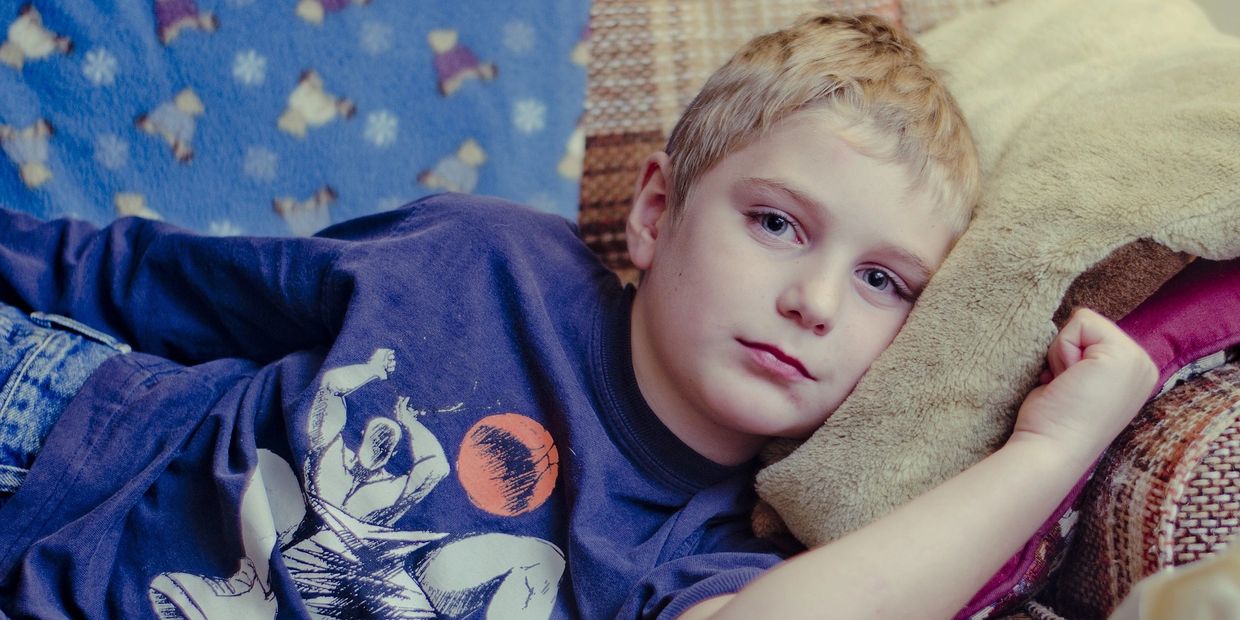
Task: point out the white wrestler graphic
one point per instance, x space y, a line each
340 541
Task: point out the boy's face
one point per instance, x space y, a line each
794 264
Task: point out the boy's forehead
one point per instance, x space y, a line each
808 158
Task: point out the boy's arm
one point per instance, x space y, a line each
928 557
168 291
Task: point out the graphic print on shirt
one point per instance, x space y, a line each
271 493
341 545
508 464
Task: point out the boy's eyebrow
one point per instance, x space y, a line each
920 271
795 194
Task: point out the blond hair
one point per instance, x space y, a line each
889 103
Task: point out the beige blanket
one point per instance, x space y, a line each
1099 123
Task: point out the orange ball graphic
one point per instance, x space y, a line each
508 464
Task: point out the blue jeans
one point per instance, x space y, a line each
44 360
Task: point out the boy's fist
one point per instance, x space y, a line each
1096 381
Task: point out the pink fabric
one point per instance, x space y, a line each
1195 314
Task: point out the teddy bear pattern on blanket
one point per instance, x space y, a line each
233 117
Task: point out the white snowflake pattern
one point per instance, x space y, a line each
381 128
529 115
376 37
250 68
260 163
223 228
111 151
519 36
100 67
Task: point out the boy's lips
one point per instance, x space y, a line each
772 358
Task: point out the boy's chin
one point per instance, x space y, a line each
784 424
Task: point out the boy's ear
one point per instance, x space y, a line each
649 206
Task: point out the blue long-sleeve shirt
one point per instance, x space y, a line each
426 412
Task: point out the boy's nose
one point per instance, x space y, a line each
813 302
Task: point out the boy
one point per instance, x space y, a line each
454 410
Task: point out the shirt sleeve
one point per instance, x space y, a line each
720 556
674 587
174 293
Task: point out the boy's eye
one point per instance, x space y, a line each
877 279
776 225
884 281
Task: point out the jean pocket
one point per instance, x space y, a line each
44 361
56 321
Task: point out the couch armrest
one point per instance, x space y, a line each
1167 493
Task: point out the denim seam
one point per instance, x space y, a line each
8 472
62 323
21 371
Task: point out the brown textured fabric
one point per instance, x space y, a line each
1121 281
1165 495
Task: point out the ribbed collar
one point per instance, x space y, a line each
640 433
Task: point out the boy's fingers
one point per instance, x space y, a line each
1066 354
1091 328
1082 330
1063 352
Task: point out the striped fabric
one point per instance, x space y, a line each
1166 494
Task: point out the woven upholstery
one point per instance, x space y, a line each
1167 493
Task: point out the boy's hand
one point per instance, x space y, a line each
1098 379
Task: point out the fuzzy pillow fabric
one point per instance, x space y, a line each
1098 124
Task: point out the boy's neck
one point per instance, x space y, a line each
686 420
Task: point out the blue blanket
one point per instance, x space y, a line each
279 117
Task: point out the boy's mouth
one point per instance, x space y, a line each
773 358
